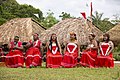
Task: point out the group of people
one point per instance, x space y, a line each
95 55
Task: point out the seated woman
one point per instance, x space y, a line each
89 55
15 57
33 54
54 56
105 59
71 52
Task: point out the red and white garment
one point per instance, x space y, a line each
15 57
33 54
54 57
105 59
88 57
70 56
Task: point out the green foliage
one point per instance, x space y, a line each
65 15
49 20
116 52
10 9
102 24
2 20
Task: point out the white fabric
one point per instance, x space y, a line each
75 46
106 50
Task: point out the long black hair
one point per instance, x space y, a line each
50 44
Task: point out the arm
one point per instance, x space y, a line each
95 45
99 49
111 47
59 47
47 45
19 48
41 48
78 49
28 45
64 48
9 45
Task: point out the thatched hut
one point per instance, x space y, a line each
81 27
22 27
115 33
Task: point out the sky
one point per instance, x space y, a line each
75 7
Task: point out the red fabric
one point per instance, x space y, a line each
91 9
70 59
53 60
14 58
105 60
33 55
88 58
83 14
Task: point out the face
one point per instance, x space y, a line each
105 38
16 39
53 37
90 37
35 36
72 36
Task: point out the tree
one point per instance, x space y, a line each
65 15
103 24
49 20
10 9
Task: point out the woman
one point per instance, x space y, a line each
105 59
33 54
71 52
89 55
15 57
54 56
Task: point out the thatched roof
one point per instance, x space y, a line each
22 27
81 27
115 33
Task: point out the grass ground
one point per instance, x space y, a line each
42 73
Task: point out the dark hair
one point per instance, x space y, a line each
75 37
108 36
55 42
16 37
37 34
93 35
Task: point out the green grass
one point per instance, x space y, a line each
116 56
42 73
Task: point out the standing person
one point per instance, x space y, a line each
15 57
54 56
71 52
33 54
89 55
105 59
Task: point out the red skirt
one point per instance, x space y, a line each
53 60
69 60
105 61
88 59
14 59
33 57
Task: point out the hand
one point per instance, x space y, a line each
15 47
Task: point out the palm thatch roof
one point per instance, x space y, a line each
62 29
22 27
115 33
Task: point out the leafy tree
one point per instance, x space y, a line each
10 9
102 24
65 15
49 20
